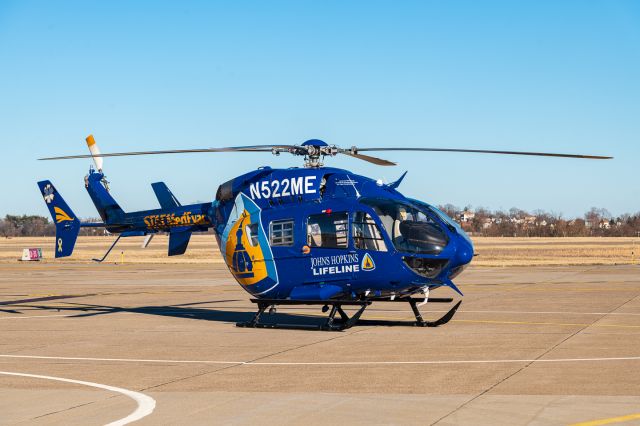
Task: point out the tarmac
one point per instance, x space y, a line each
84 344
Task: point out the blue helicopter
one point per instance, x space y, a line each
300 236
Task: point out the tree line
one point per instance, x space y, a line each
479 221
36 226
597 222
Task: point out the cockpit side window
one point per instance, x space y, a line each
328 230
366 234
450 223
410 229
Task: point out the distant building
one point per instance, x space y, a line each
467 216
604 224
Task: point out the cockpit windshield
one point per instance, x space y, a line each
452 224
410 229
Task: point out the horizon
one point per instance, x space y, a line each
602 212
531 76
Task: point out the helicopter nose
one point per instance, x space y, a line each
464 253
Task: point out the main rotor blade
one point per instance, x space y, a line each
369 158
253 148
483 151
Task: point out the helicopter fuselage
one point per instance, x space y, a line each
322 233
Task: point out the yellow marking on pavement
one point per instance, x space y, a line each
609 421
30 295
401 317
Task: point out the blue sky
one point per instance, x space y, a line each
539 75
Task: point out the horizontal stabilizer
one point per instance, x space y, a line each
165 197
178 242
126 234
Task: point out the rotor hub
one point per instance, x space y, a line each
313 151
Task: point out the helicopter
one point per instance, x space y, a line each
311 235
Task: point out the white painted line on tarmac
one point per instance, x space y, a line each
35 316
168 361
548 312
146 404
328 363
480 361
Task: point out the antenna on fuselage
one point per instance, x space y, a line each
354 186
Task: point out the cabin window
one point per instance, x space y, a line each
281 232
328 230
251 231
366 234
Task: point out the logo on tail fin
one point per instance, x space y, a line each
48 194
61 216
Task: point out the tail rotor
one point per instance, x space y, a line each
95 152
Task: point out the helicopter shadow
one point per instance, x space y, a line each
187 311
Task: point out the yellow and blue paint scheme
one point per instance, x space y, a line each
246 249
247 206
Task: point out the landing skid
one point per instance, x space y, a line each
345 321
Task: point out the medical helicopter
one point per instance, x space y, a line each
313 235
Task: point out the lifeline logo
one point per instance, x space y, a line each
341 264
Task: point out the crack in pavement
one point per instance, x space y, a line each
490 388
342 335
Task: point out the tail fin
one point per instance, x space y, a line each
67 224
178 242
165 197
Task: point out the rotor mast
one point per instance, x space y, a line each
316 150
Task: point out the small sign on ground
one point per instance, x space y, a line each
31 254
